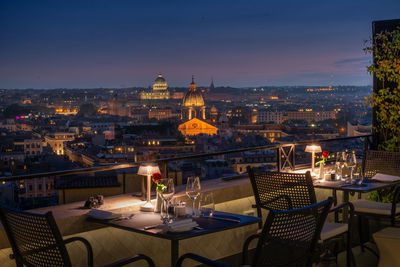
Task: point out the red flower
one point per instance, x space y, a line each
325 154
156 177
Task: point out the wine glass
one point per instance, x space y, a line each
351 163
193 191
166 191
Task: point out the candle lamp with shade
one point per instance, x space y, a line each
313 149
148 169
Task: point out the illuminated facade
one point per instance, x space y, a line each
193 104
160 90
56 141
196 126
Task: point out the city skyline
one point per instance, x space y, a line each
125 44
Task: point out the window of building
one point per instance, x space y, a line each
40 186
30 187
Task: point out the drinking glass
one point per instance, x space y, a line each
193 191
351 163
207 205
166 193
340 159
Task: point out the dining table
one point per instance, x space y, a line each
368 185
150 223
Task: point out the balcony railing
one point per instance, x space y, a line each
285 158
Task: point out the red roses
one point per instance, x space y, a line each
156 177
325 155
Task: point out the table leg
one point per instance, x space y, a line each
334 193
174 252
345 210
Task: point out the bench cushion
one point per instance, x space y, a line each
368 206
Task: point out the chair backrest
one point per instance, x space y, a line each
289 237
35 238
282 191
381 161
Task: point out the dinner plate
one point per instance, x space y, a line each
103 215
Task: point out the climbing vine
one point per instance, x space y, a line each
385 48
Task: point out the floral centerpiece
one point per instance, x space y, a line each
325 155
322 163
156 177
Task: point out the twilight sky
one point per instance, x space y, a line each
104 43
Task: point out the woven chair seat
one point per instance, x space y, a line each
368 206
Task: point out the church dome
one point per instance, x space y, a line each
193 97
160 83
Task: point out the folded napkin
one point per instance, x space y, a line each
102 214
385 177
182 225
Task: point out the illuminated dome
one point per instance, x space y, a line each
160 83
193 98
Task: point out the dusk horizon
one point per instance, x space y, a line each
124 44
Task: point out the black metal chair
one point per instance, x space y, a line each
37 242
288 237
283 191
378 162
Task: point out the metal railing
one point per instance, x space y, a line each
283 158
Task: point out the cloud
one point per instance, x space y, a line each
352 61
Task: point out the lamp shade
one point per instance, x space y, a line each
313 148
148 169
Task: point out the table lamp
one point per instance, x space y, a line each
147 169
313 149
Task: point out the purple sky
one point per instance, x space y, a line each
86 44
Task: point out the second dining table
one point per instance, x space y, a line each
367 186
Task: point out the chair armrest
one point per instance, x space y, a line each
132 259
246 247
87 245
200 259
343 205
286 197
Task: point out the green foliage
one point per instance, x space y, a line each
160 187
385 196
385 48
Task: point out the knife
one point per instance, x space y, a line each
150 227
224 219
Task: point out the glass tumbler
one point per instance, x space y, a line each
207 205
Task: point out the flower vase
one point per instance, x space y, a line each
321 170
159 201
